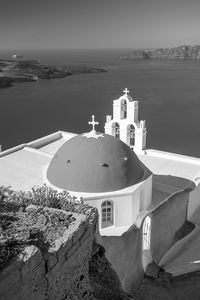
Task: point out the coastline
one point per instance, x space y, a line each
12 71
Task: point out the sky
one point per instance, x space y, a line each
98 24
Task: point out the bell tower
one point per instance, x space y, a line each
125 124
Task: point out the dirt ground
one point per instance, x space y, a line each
184 287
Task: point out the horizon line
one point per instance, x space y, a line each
87 49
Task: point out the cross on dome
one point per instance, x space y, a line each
93 123
126 91
93 133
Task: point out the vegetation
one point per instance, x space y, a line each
43 196
20 226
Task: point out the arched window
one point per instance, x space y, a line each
147 233
115 130
131 135
146 242
106 214
123 109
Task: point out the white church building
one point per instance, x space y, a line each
113 171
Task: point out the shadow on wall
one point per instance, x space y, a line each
124 253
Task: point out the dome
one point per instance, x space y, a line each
94 164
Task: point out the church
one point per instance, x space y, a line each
103 169
114 171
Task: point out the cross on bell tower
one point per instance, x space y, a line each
126 91
93 123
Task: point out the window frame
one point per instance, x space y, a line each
106 213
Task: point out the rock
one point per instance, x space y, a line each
152 270
32 70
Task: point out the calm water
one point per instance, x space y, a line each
168 94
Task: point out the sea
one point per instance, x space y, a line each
168 92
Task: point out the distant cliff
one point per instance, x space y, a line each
32 70
181 52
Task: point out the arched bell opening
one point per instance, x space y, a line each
116 130
123 109
131 135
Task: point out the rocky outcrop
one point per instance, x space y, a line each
181 52
32 70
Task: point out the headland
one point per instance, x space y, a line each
32 70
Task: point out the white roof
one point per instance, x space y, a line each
165 163
21 167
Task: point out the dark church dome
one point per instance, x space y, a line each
94 164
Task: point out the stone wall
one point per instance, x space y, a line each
61 272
